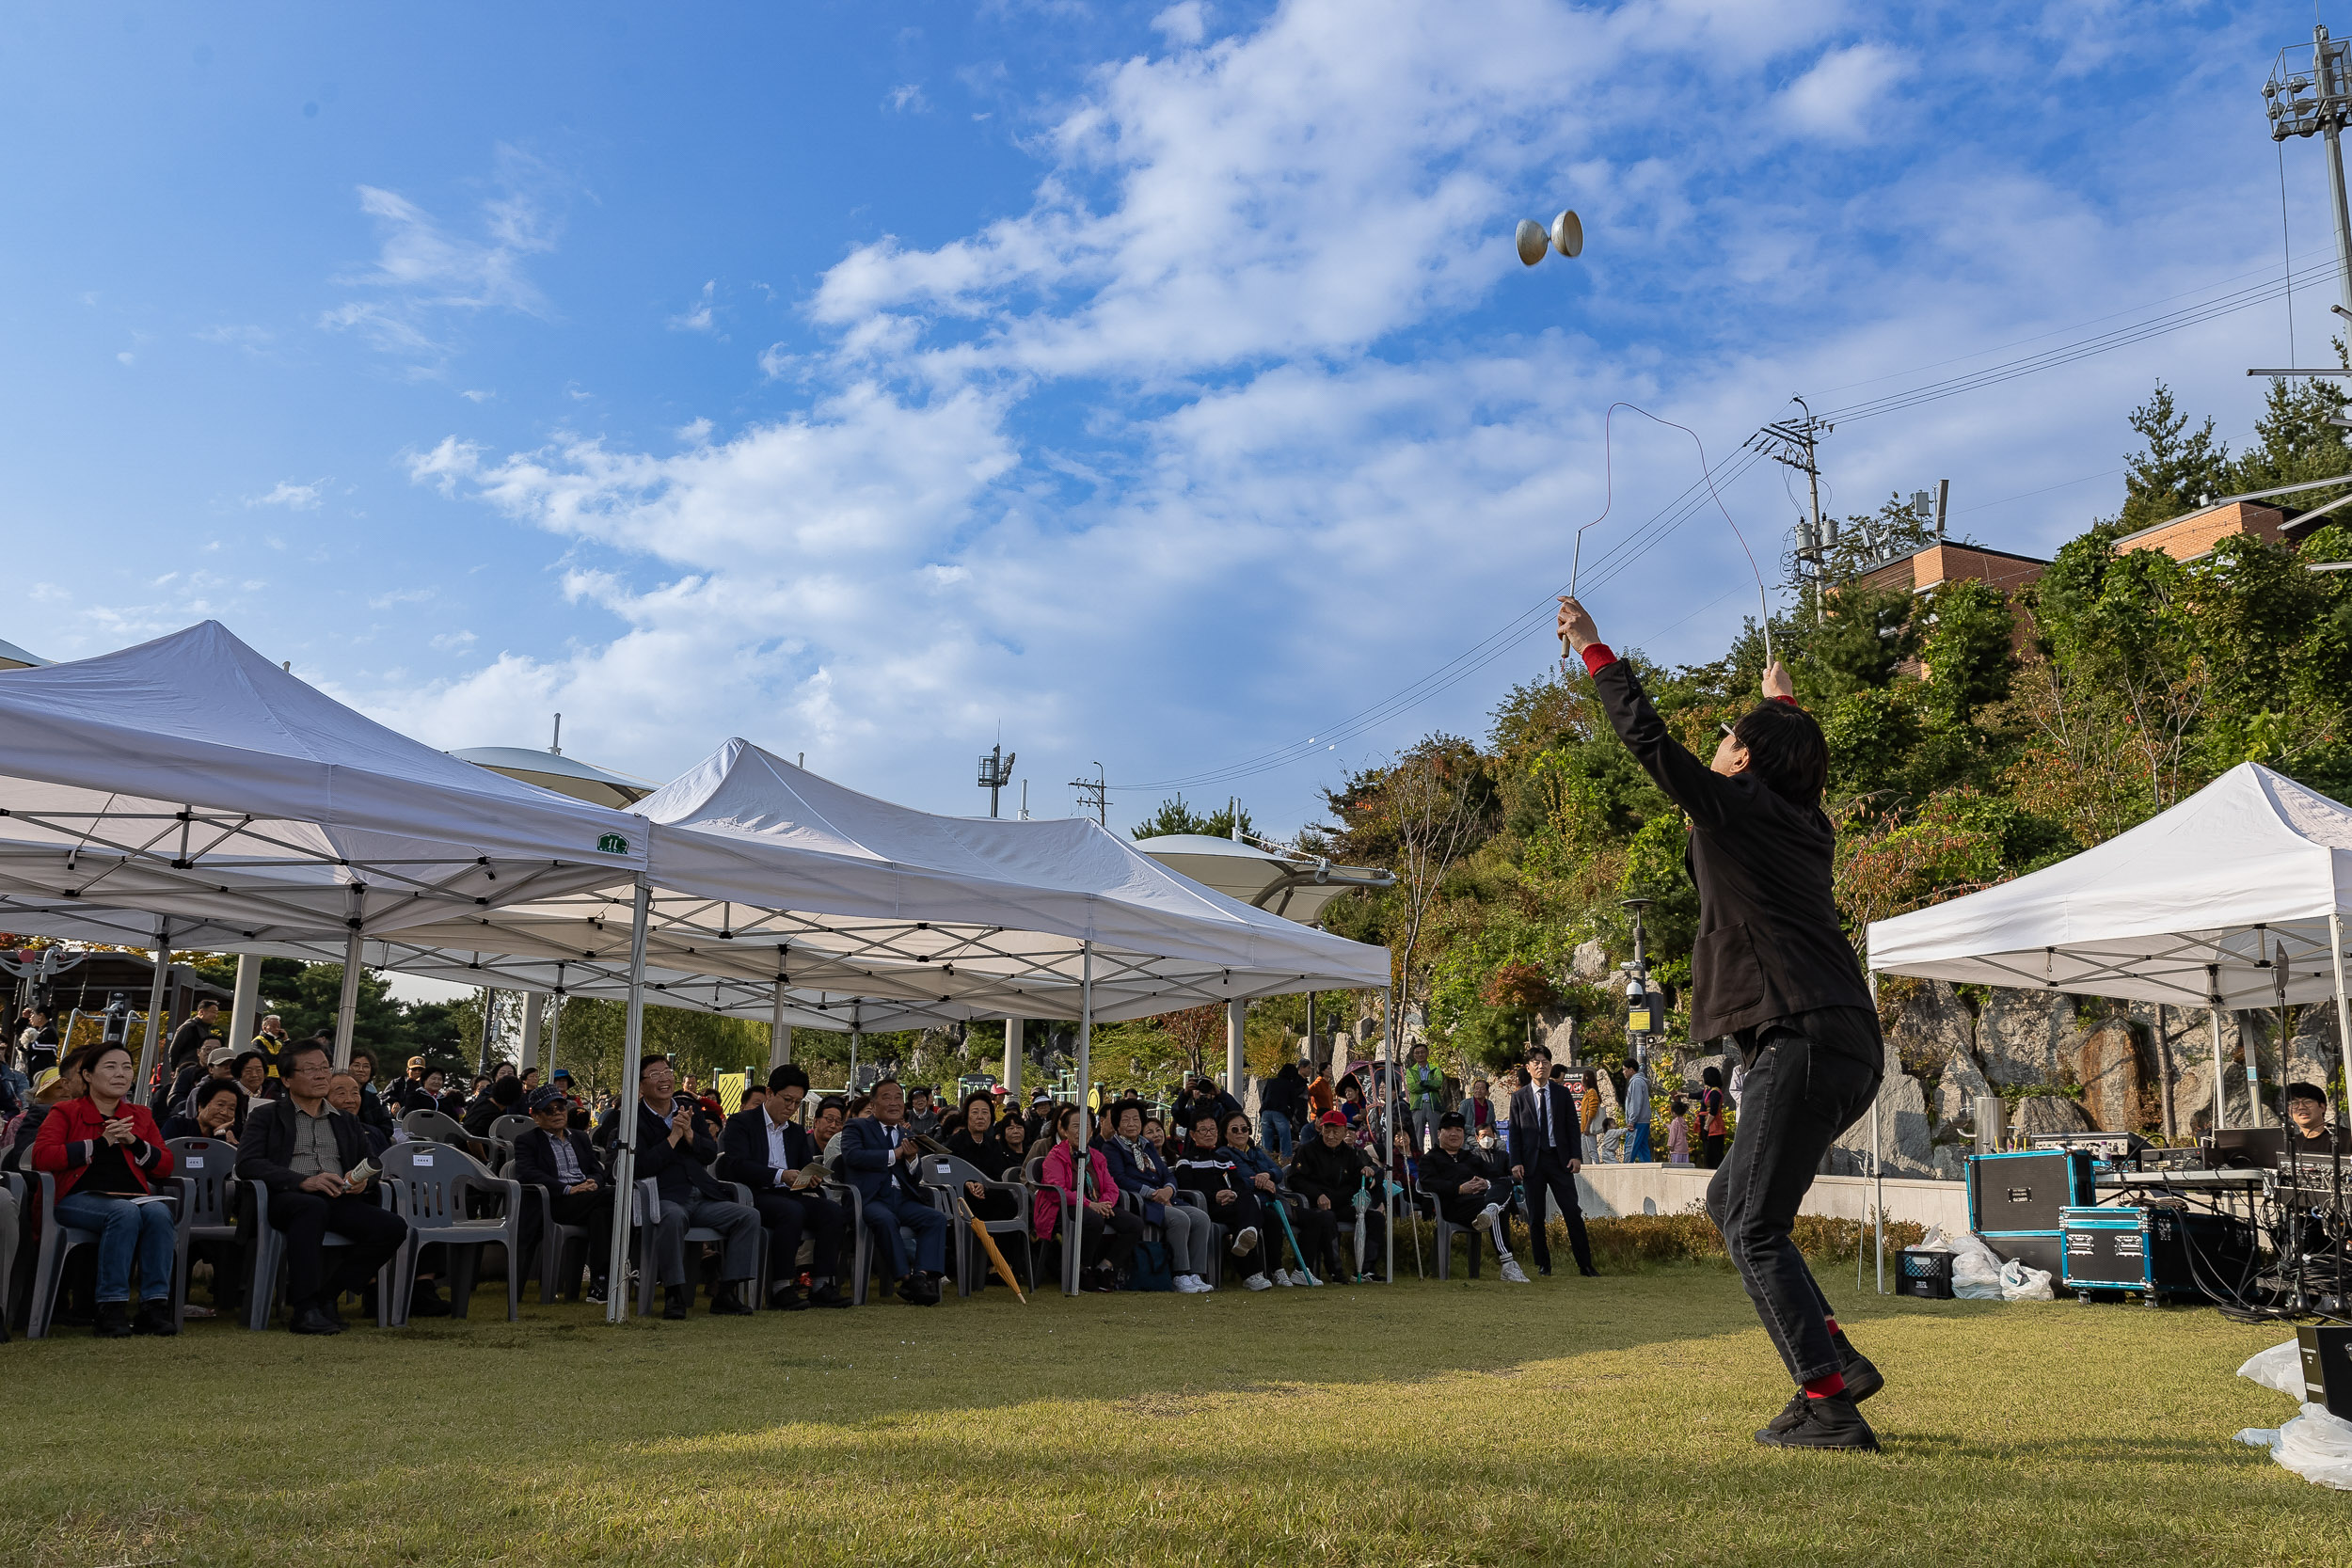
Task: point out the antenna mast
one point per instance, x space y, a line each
2307 92
1792 442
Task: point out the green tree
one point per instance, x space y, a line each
1175 816
2177 470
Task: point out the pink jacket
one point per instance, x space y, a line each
1055 1172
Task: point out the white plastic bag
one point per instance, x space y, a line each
2281 1366
2315 1446
1975 1272
2020 1282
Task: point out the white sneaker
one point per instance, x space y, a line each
1486 1217
1245 1242
1259 1282
1190 1283
1309 1279
1513 1273
1282 1278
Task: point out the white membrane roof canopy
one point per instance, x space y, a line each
2209 904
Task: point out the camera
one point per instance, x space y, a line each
118 1017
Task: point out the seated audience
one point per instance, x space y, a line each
53 1084
1138 1170
560 1160
1105 1233
1332 1173
922 1116
342 1092
1041 1119
371 1112
502 1097
1265 1185
674 1149
310 1156
824 1127
218 1105
766 1149
877 1155
1206 1166
1471 1189
252 1075
108 1156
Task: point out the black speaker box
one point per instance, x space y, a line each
2327 1367
2026 1190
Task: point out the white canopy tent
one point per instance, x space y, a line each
1295 886
188 791
2236 898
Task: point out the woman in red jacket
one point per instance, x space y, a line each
107 1157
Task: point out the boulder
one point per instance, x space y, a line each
1905 1145
2047 1113
2026 1037
2107 1066
1558 1037
2313 1054
1928 1026
1951 1163
1956 1091
1589 963
1251 1097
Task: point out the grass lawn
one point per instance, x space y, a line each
1570 1421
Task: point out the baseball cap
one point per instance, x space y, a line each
542 1099
1041 1097
416 1061
1452 1119
220 1055
1332 1119
45 1087
562 1072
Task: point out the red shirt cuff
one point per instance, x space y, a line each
1791 701
1598 657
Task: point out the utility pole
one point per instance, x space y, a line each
2303 97
1095 792
1793 442
995 773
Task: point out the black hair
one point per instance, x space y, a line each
1538 1050
1786 751
831 1103
787 1075
294 1052
644 1065
980 1096
1225 1128
97 1054
876 1087
211 1089
1112 1116
2306 1091
1205 1113
1711 1077
507 1091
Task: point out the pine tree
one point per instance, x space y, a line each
2179 470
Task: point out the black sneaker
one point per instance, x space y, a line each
674 1303
1588 1271
156 1317
310 1320
1863 1379
785 1298
113 1319
827 1294
425 1302
1832 1422
726 1303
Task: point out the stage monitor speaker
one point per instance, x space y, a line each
2328 1366
2028 1190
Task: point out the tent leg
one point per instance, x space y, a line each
2220 1089
555 1022
2163 1071
1073 1233
159 997
616 1295
534 1019
779 1032
348 1006
1012 1065
2344 1006
244 1004
1237 1055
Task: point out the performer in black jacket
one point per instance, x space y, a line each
563 1164
1471 1189
1773 969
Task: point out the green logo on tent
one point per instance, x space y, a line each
613 844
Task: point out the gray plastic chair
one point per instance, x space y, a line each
435 1127
268 1253
429 1184
206 1169
946 1175
57 1241
555 1241
862 1252
645 1215
1447 1230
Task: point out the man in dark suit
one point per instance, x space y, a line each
880 1152
1773 969
674 1149
1546 1149
765 1147
563 1164
304 1151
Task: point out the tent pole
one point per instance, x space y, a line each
347 1006
244 1006
1878 1166
2220 1093
2163 1071
1074 1231
1388 1132
616 1295
2344 1007
534 1019
1236 1053
158 997
779 1032
1012 1065
555 1022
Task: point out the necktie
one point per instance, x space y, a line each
1543 1116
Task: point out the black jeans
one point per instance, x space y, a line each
374 1231
1808 1080
788 1217
1550 1174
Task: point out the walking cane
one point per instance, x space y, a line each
1412 1210
1282 1212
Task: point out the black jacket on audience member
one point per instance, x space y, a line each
1443 1174
680 1171
743 1150
534 1161
1320 1171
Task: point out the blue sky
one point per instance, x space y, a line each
1154 381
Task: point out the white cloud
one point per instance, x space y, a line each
909 99
293 496
1183 22
696 317
1842 98
426 277
454 641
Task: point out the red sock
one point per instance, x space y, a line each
1822 1387
1833 1325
